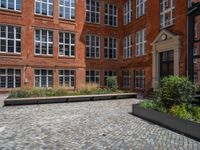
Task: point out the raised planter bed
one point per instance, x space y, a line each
66 99
188 128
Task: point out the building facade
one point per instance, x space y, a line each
69 43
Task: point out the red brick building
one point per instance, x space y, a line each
52 43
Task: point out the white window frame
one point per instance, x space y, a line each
96 75
141 42
48 7
128 47
70 12
70 44
113 48
70 76
15 6
41 42
113 15
128 12
40 78
90 11
15 40
140 8
139 79
164 12
7 76
93 46
126 79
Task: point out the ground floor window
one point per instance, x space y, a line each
109 74
139 79
10 78
43 78
126 79
92 77
67 78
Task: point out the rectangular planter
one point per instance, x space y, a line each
188 128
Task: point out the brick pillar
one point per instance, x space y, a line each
80 78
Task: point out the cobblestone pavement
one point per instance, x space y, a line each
89 125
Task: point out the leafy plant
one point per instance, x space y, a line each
112 83
152 104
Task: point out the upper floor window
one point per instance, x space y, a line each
139 79
128 12
43 42
167 17
92 46
10 78
67 78
128 47
67 9
11 4
43 78
140 8
44 7
10 39
110 48
66 44
92 77
92 11
111 15
141 43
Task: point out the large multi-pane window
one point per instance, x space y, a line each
128 47
43 42
44 7
67 78
110 48
92 77
10 78
139 79
10 39
111 15
67 9
43 78
109 73
126 79
92 46
67 44
140 8
167 8
92 11
11 4
128 12
141 43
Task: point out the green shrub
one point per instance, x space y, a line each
195 110
152 104
112 83
181 111
175 90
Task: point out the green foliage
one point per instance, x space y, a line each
112 83
152 104
175 90
195 110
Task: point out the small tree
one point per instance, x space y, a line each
112 83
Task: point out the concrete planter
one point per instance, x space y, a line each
65 99
188 128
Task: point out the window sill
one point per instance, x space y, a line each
87 58
44 56
10 54
10 12
66 57
63 20
44 17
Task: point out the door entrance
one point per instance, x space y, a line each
166 64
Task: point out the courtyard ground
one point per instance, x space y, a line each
87 125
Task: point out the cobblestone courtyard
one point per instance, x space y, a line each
88 125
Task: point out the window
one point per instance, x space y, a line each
10 39
139 79
109 73
167 8
43 78
141 43
92 11
44 7
66 44
195 53
111 15
128 47
140 8
10 78
128 12
67 78
11 4
43 42
67 9
195 77
92 46
126 79
110 48
93 77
